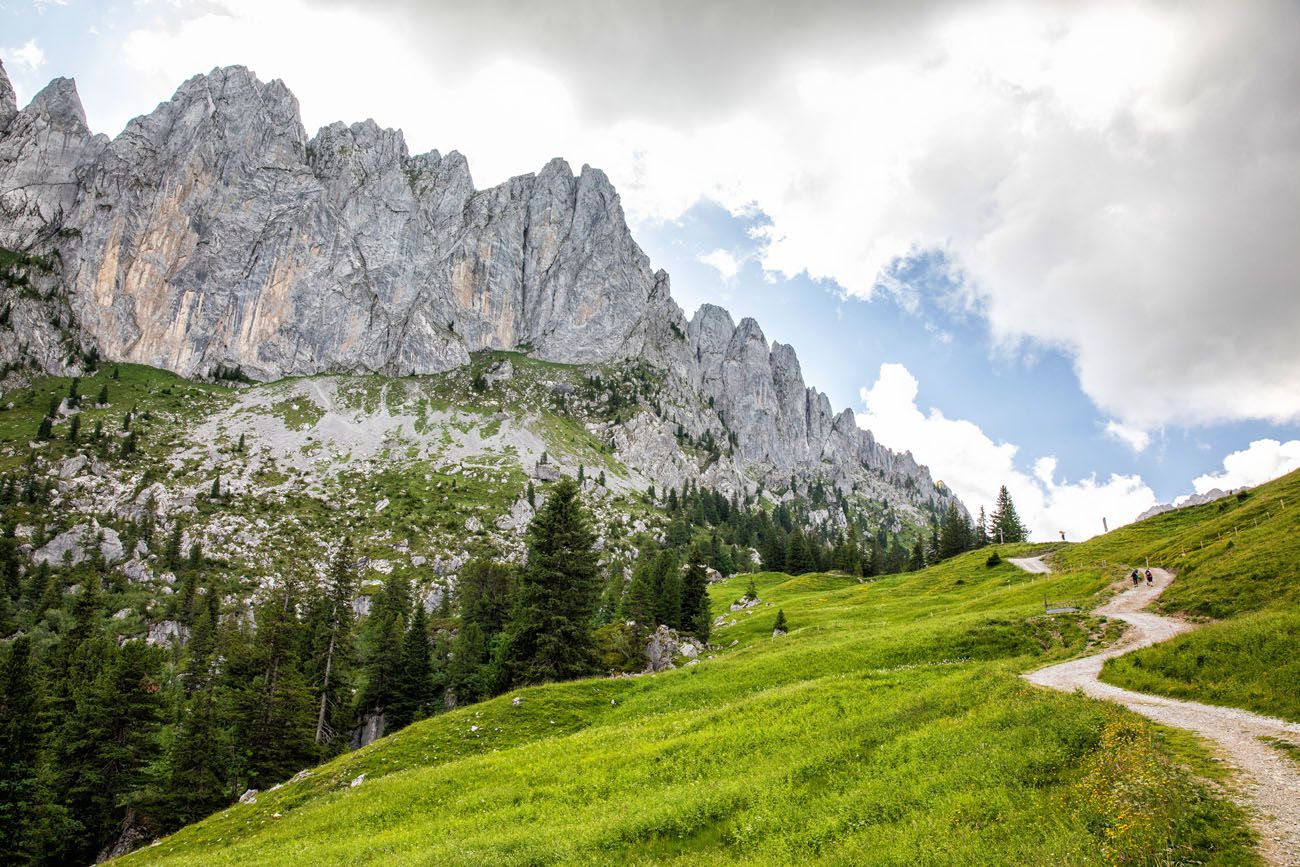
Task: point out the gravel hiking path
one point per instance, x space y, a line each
1030 564
1267 783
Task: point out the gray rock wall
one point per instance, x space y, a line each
214 231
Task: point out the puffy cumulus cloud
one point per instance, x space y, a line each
974 466
1261 461
1119 180
1135 438
28 57
722 261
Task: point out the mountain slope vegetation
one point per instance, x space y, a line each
889 726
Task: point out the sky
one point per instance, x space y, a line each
1049 245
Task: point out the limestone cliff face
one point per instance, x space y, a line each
215 231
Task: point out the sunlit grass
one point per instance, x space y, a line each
888 727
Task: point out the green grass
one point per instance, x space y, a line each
1248 661
1238 562
888 727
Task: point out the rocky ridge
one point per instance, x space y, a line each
214 231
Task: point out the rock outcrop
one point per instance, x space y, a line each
214 231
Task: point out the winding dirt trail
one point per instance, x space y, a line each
1267 783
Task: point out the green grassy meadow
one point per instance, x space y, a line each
1238 567
888 727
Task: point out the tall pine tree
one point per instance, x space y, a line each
549 634
414 687
1004 523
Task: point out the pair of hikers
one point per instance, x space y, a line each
1137 578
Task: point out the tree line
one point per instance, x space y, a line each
100 735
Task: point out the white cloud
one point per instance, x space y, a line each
727 265
1117 180
27 58
1135 438
1261 461
974 466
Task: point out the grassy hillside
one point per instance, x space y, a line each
1238 563
888 727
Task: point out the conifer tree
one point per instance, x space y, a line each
107 736
780 624
336 635
549 634
697 618
981 530
74 428
773 552
172 553
413 692
798 559
638 604
917 561
667 586
387 630
954 533
20 741
269 702
1004 523
102 400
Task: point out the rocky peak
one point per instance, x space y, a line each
59 105
8 99
212 231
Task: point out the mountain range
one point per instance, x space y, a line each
214 232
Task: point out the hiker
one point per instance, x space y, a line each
1149 579
1135 577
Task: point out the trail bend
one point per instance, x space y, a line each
1268 781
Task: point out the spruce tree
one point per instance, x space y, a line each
668 590
780 624
697 618
20 742
413 692
638 603
387 630
981 530
798 558
917 561
1005 524
328 640
269 703
102 400
549 634
172 551
774 552
954 533
107 736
